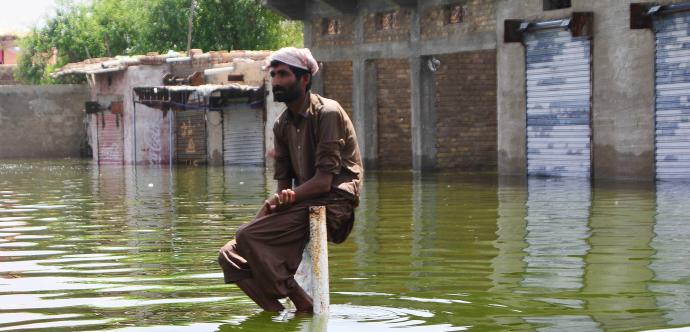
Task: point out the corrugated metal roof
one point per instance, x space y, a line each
218 96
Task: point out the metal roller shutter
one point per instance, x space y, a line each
558 74
190 137
673 96
110 139
243 137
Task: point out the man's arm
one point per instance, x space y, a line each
318 185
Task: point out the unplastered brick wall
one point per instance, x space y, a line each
374 32
345 31
474 16
465 102
393 99
337 83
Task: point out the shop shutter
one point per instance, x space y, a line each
110 139
558 74
243 137
190 137
673 96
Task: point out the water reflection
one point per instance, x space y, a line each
133 248
556 238
671 245
618 273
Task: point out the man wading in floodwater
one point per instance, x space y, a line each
317 162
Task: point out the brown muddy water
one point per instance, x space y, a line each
84 248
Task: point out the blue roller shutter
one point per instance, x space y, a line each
559 89
673 96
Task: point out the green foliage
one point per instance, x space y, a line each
126 27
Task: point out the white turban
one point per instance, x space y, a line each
296 57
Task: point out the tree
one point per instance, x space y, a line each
126 27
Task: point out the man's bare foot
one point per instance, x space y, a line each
302 300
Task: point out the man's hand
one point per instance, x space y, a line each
278 202
229 255
286 198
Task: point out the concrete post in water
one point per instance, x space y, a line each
312 274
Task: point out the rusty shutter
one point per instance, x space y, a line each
558 86
190 137
110 139
672 137
243 136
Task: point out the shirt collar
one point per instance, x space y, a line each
308 108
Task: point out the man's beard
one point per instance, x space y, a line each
286 94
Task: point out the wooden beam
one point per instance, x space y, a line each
639 19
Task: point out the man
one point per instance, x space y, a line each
317 162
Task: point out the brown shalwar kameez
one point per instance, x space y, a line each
321 137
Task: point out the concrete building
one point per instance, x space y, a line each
593 89
8 58
9 50
417 77
582 88
159 109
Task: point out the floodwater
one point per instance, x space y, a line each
133 249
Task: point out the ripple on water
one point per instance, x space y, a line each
27 253
18 244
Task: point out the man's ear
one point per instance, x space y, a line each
306 79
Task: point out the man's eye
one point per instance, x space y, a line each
273 74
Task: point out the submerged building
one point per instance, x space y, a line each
9 51
521 87
207 108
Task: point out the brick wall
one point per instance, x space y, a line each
337 83
477 16
374 34
393 99
345 36
465 103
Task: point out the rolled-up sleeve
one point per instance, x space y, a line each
331 141
283 166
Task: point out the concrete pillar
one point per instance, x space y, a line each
623 107
214 132
93 135
364 110
423 115
307 29
317 80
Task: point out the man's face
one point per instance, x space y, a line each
286 87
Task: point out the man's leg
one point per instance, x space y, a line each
273 248
236 269
303 302
264 258
254 291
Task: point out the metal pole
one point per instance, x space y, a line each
189 30
134 129
312 274
171 113
318 248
